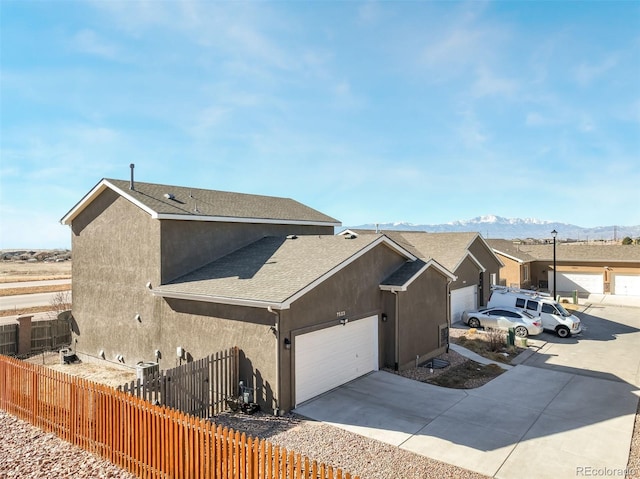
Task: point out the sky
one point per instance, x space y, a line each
371 112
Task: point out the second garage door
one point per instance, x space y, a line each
327 358
463 299
581 282
626 284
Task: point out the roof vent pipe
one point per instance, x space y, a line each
131 186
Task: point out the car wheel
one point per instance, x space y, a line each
563 331
474 323
521 332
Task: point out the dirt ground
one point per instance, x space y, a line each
18 271
97 372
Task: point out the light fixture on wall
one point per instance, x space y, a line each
287 343
384 317
554 233
137 317
344 321
101 354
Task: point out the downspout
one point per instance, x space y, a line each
397 330
276 327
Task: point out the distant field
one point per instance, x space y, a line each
18 271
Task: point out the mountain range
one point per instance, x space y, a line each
491 226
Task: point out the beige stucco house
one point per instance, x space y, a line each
585 268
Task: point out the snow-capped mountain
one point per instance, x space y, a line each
492 226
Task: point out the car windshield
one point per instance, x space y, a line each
563 311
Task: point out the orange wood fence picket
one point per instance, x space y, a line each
147 440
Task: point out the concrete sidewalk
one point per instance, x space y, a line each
612 300
527 422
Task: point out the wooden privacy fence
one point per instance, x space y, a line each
50 335
147 440
199 388
44 336
9 339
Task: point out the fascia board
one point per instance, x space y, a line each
344 264
490 249
104 184
428 264
510 257
442 269
475 260
220 299
398 249
94 193
232 219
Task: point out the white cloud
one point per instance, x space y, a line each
586 73
489 84
88 41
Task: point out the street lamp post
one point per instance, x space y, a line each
554 233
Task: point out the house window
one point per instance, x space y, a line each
525 272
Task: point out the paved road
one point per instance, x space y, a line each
21 301
568 411
29 284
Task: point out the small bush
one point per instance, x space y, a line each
496 339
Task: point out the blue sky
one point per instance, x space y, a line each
426 112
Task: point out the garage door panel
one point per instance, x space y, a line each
626 284
581 282
461 300
327 358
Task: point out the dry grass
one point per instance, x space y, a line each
19 271
35 289
485 345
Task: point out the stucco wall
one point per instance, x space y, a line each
116 252
355 290
188 245
204 328
422 309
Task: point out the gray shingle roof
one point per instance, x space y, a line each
271 270
569 252
195 203
510 248
448 249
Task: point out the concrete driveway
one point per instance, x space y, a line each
554 418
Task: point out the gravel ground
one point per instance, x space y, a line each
27 452
351 452
633 466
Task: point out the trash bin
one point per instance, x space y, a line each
575 296
511 337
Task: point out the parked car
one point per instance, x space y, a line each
553 316
505 318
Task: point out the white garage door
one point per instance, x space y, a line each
626 284
582 282
330 357
463 299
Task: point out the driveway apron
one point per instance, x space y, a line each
527 422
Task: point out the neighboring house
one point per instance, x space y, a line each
466 255
160 268
599 269
516 272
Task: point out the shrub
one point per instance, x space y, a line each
496 339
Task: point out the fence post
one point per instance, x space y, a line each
24 334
